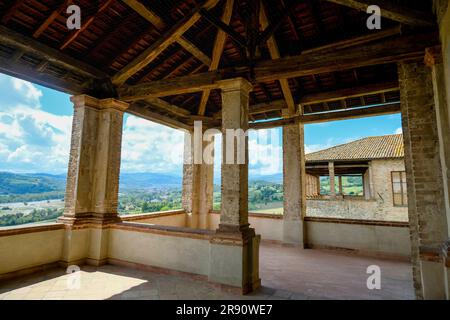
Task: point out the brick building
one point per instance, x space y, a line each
363 179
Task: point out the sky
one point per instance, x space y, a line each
35 127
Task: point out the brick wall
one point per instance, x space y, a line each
424 178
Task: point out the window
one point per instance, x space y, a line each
399 194
346 185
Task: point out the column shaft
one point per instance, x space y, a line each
234 251
294 181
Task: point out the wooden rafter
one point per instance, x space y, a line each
392 11
275 54
169 37
52 17
383 52
330 116
103 6
161 25
146 113
219 45
168 107
349 93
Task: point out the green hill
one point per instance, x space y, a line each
12 183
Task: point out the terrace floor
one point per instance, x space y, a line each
286 273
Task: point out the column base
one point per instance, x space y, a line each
234 258
86 238
433 275
293 233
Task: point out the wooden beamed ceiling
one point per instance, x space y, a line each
167 57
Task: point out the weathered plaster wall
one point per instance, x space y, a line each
367 238
171 252
173 220
22 251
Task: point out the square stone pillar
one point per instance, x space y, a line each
93 176
234 256
426 199
294 184
198 179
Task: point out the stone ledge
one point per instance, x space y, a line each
258 215
142 216
17 230
164 230
360 222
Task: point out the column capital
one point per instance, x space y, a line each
235 84
84 100
433 56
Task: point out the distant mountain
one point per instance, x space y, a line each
273 178
19 183
26 183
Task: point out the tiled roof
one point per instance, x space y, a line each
379 147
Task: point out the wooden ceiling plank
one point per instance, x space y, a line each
392 11
275 54
172 35
160 25
103 6
219 45
52 17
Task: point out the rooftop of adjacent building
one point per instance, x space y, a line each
369 148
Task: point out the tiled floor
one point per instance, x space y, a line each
287 273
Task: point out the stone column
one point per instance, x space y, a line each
234 255
426 200
93 176
332 179
294 177
198 180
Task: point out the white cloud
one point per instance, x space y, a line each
399 131
31 140
150 147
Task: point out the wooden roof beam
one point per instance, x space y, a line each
392 11
351 113
145 113
155 20
51 55
219 45
275 54
383 52
349 93
160 25
330 116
